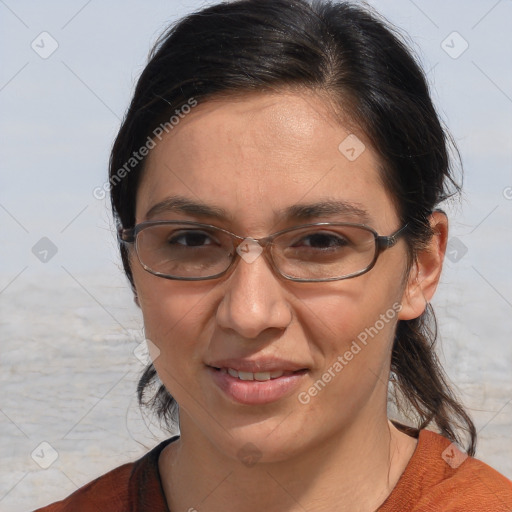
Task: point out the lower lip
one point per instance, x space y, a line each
254 392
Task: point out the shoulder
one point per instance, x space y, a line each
111 488
127 487
441 477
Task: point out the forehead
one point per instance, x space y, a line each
257 154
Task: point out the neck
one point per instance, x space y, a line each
352 471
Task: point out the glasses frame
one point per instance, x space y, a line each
129 236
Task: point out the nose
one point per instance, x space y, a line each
254 300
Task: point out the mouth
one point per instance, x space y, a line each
256 388
258 376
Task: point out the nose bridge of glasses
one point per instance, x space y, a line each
250 249
239 240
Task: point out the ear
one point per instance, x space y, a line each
426 270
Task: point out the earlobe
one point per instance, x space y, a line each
414 301
426 270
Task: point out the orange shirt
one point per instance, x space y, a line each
438 478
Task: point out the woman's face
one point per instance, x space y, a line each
251 159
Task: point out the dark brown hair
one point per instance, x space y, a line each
357 60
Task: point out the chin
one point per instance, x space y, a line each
266 441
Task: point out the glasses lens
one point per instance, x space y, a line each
324 252
179 250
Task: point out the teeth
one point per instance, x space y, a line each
259 376
262 376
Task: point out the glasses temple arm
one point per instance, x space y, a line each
126 235
385 242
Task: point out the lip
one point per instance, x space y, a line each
253 392
258 365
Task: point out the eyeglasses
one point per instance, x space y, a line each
192 251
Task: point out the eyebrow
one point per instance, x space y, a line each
180 204
327 208
299 212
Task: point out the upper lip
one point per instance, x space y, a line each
258 365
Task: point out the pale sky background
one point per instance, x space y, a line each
59 115
58 118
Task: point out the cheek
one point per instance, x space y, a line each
360 339
175 319
172 312
355 376
167 305
350 309
352 333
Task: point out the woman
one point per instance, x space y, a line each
276 183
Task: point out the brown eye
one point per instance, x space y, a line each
190 239
322 241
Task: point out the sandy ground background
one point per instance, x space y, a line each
69 330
